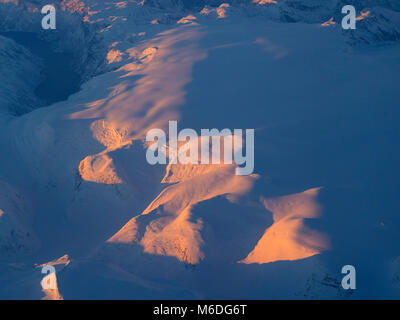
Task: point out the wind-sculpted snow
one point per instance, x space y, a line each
173 231
75 181
130 111
288 238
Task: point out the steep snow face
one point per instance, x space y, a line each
52 88
378 26
20 75
361 4
305 10
76 180
75 42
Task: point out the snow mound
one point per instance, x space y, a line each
288 238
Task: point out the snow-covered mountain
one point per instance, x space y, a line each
75 183
20 75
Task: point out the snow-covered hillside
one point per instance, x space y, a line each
75 183
20 75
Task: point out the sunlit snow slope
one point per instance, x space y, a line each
76 191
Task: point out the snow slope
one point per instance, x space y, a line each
17 90
323 103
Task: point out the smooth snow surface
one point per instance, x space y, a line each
77 193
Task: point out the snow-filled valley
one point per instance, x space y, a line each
76 191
